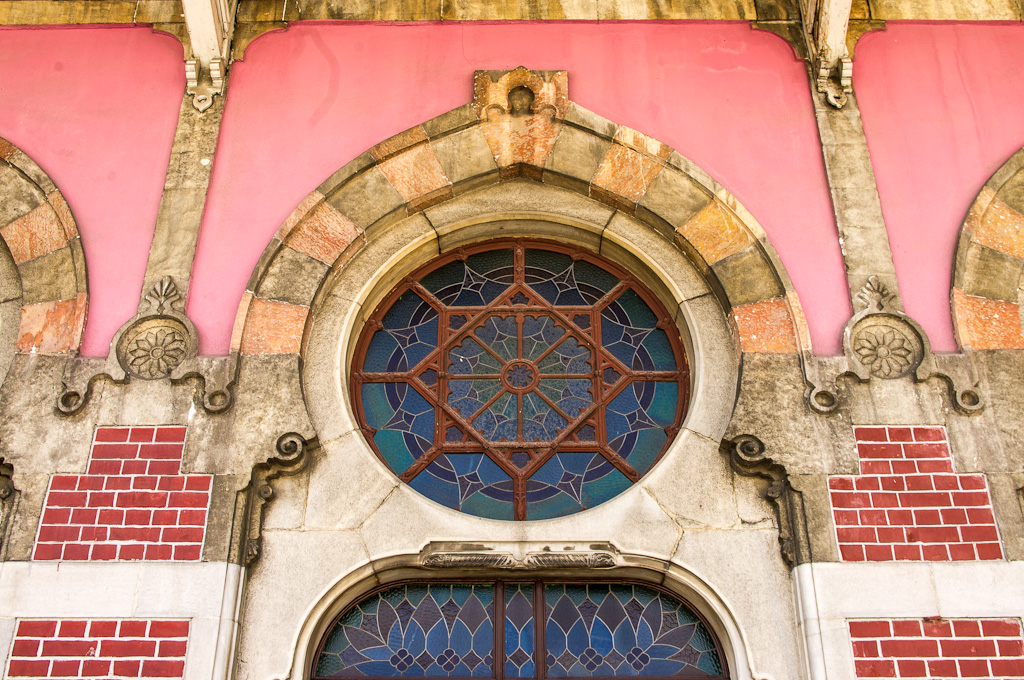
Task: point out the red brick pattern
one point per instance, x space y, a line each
132 503
908 504
126 648
938 648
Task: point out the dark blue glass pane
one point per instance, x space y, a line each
568 357
409 334
404 421
470 482
623 630
416 630
520 633
539 333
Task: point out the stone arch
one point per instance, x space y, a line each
987 284
43 244
494 141
349 588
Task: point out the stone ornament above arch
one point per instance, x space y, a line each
42 237
986 294
521 124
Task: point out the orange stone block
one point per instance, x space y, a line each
1001 228
638 141
273 327
53 327
716 233
986 324
626 172
7 149
324 233
403 140
803 332
521 139
300 211
67 220
766 327
978 209
415 172
35 234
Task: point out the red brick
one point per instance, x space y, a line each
192 518
22 647
145 482
934 553
133 628
989 551
933 534
135 467
101 499
855 534
170 434
869 483
59 534
906 628
112 434
945 482
103 628
891 534
962 552
127 669
852 553
83 516
103 552
953 516
972 482
870 629
874 517
69 647
927 517
910 647
172 648
93 534
841 483
141 434
165 517
846 518
63 483
929 434
198 482
168 629
870 434
875 467
1010 647
935 466
905 467
127 647
900 434
942 668
25 668
878 553
48 552
111 451
851 500
76 551
118 483
188 552
66 499
95 667
885 499
161 451
968 647
171 483
104 467
925 499
966 628
138 517
892 483
131 552
188 499
880 451
926 450
142 499
906 552
937 628
979 534
880 668
1001 627
65 668
973 668
110 516
91 482
162 668
1008 667
980 516
56 515
145 534
159 552
162 467
912 668
919 482
182 535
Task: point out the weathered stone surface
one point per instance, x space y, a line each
765 327
273 327
747 277
672 200
19 196
986 324
365 198
1001 228
52 327
626 172
34 234
50 277
323 232
452 121
465 156
991 274
575 156
292 277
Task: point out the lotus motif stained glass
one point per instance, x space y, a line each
520 380
548 630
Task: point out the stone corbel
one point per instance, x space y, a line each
835 81
8 499
880 342
204 83
747 457
158 343
291 458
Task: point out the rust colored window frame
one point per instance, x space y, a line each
539 626
564 314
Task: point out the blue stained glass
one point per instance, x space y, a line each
568 357
469 396
500 334
623 630
467 480
409 334
404 421
477 281
415 630
571 396
636 420
571 482
469 358
540 421
520 632
539 333
499 422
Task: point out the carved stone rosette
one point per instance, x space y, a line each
747 457
157 343
292 456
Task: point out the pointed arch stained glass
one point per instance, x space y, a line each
520 380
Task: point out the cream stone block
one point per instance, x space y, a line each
714 366
351 465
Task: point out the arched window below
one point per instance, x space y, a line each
547 630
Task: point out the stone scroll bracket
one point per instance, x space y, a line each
292 454
882 343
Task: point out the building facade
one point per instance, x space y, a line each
511 339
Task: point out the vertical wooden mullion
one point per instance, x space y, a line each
540 658
499 630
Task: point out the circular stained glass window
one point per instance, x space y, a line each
520 380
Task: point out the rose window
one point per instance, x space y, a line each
520 380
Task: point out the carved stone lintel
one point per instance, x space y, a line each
747 457
8 497
291 458
469 561
202 83
515 559
881 342
582 560
157 343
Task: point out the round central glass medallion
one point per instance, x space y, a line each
520 380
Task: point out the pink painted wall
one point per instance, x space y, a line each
306 101
96 109
942 108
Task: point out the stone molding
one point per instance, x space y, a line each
986 295
41 234
545 138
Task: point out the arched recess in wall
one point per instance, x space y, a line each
668 578
987 284
43 290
